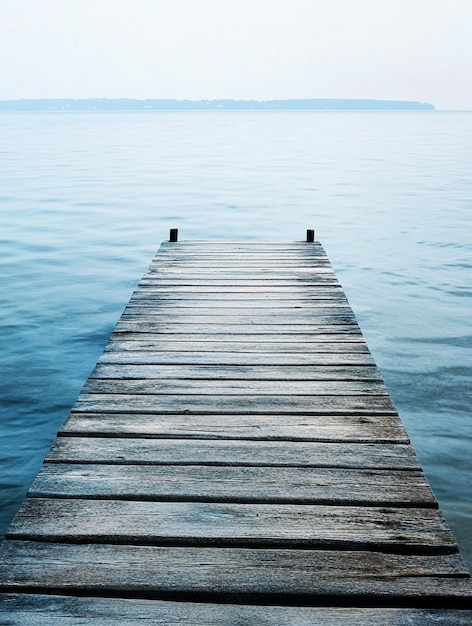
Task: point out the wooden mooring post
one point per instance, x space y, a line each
233 458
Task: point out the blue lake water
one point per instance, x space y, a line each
86 199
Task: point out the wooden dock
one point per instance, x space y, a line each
234 458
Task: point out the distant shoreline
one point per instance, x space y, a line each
130 104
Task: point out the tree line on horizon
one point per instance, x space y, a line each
131 104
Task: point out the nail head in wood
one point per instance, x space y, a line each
174 234
310 236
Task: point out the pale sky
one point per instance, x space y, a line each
243 49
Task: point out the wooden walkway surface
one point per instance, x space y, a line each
234 458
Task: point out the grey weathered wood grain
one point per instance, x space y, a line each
237 575
254 333
233 318
155 343
258 484
235 404
247 266
323 316
246 341
231 258
333 428
235 372
292 290
249 335
145 386
270 274
293 284
196 523
239 250
229 452
205 246
137 329
41 610
150 357
223 271
151 341
252 310
256 299
272 300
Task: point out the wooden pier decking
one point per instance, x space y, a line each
234 458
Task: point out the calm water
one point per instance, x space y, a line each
86 199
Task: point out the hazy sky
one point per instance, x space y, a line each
244 49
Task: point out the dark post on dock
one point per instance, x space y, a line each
234 458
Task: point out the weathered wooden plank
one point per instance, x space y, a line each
252 301
138 329
237 372
269 300
258 484
231 358
257 295
306 281
303 281
235 404
230 260
42 610
199 254
205 246
220 452
256 302
234 286
333 428
231 256
227 268
197 248
201 247
330 291
236 249
338 319
290 289
232 319
313 577
160 328
249 264
227 259
240 245
265 253
146 386
411 531
277 273
251 312
148 335
122 343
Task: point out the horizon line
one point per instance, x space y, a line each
218 103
